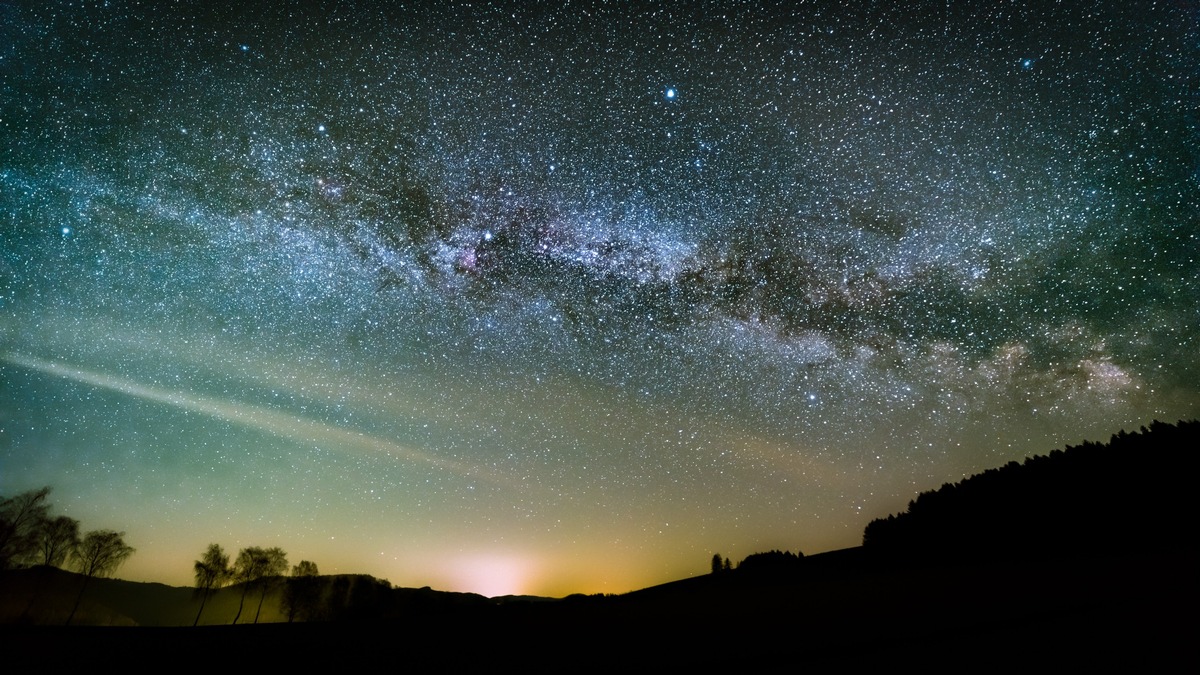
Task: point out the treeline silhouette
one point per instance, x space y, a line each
768 562
30 537
771 561
305 595
1136 492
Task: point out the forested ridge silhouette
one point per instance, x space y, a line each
1135 492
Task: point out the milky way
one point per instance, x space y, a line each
568 297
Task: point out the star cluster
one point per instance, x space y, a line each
557 297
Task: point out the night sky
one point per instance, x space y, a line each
566 298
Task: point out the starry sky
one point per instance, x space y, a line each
566 297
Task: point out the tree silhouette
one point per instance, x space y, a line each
20 520
253 567
57 539
99 554
212 571
716 563
246 570
301 594
276 566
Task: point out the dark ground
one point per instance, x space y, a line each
1122 613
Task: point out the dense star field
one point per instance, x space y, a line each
568 297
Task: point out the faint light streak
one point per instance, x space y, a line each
277 423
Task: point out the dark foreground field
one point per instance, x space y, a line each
1115 613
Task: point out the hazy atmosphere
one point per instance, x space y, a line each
566 297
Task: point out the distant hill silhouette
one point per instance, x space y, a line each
44 596
1134 493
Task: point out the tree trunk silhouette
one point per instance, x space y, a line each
260 603
78 599
240 603
203 599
